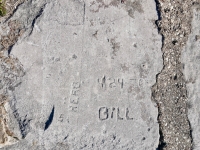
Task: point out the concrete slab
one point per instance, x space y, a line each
89 67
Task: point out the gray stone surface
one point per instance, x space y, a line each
89 67
191 62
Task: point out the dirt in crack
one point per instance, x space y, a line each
169 92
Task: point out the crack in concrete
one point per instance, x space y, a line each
169 92
36 17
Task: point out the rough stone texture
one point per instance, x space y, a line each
85 83
11 73
13 126
191 62
8 8
170 92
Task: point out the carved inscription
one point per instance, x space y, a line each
74 97
110 82
197 16
137 82
61 118
106 113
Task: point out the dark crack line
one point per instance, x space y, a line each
157 21
161 144
11 15
35 19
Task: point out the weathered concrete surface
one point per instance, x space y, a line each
191 64
89 67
